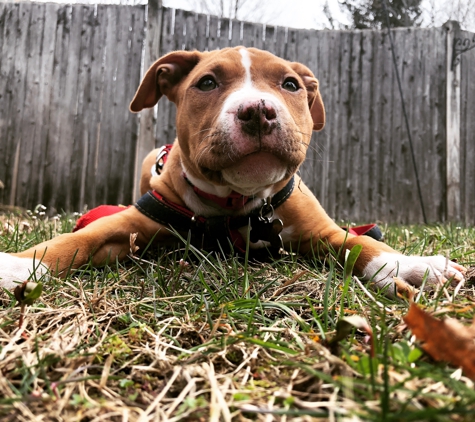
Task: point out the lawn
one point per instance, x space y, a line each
186 335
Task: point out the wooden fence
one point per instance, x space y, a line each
67 74
465 84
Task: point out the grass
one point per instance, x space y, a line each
186 335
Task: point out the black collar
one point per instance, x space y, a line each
206 232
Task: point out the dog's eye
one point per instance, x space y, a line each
290 85
207 84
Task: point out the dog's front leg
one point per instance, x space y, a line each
308 228
102 241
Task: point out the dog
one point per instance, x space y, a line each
244 123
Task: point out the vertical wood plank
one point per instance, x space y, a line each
147 118
180 38
235 33
306 49
400 179
380 74
435 62
291 45
67 181
94 109
164 131
213 41
202 32
17 84
280 41
453 127
9 19
364 194
346 107
467 130
322 141
269 42
247 34
224 27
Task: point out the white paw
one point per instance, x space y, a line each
412 270
15 270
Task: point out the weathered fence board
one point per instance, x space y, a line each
467 131
68 73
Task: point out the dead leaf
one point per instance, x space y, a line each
444 340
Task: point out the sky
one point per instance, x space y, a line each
302 13
309 13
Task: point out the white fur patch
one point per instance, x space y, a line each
15 270
247 91
411 269
250 93
246 63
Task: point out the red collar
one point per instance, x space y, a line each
234 201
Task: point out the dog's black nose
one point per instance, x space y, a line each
257 117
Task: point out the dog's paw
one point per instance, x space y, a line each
15 270
413 270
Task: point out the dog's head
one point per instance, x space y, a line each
244 116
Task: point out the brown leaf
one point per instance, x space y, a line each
444 340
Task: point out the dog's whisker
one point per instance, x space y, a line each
304 133
203 150
217 133
200 131
314 148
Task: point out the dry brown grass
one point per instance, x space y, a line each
218 339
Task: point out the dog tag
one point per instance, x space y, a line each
267 230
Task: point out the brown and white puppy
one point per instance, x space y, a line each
244 123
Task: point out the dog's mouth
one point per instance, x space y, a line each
251 169
255 171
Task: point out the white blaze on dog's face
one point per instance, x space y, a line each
258 134
244 116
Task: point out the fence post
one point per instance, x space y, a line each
146 135
453 126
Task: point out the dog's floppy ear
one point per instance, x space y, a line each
163 77
317 110
315 103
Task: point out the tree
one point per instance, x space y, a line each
371 13
437 12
